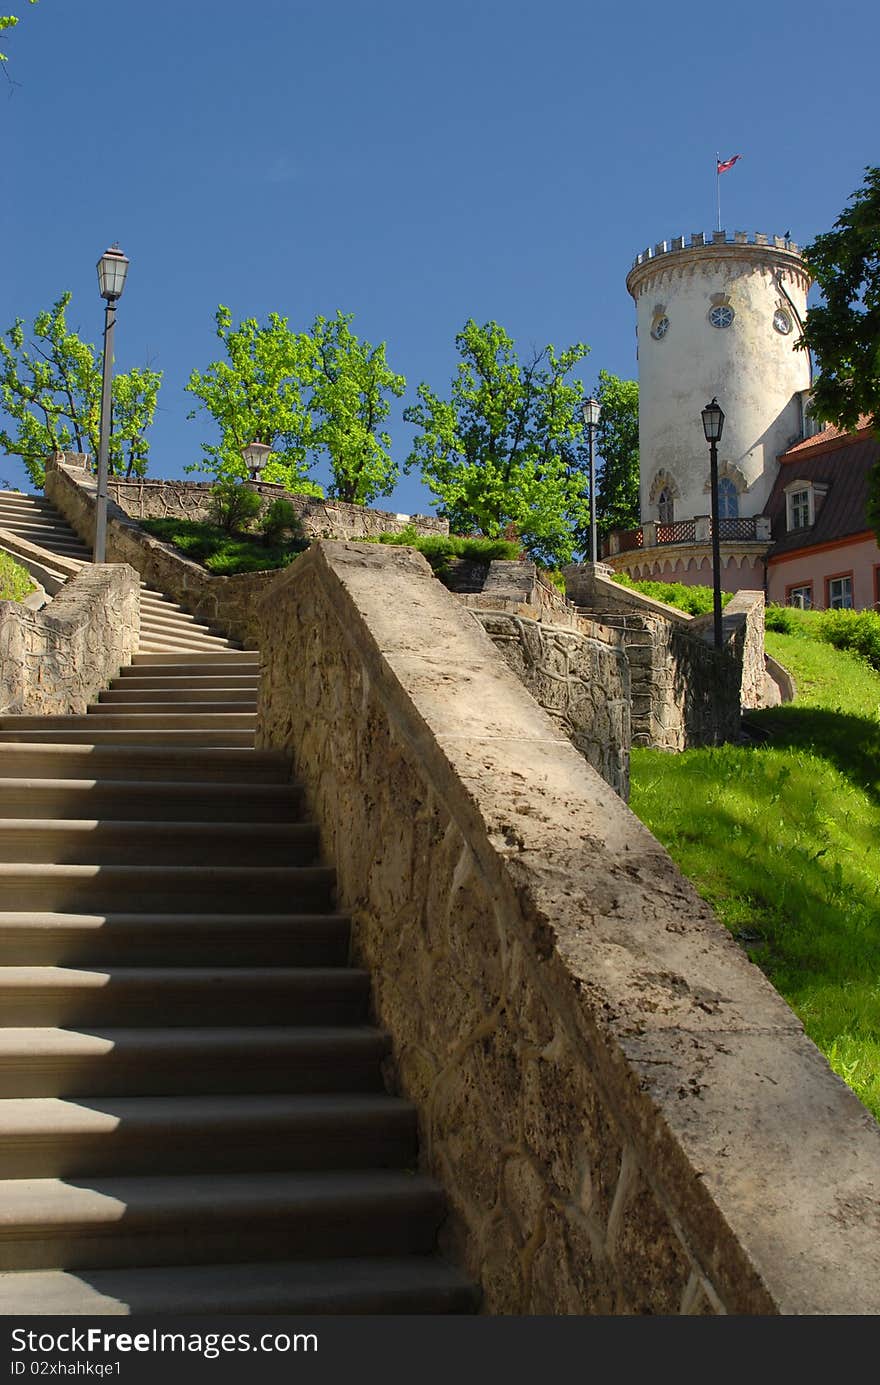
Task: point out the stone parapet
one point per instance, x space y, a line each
55 661
227 604
625 1115
142 499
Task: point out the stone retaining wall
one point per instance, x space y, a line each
230 605
582 681
55 661
626 1117
320 518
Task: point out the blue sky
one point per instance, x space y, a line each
411 162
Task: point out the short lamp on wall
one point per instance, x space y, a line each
255 455
713 425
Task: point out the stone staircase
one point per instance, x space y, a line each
192 1110
164 625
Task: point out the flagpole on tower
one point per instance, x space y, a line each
718 187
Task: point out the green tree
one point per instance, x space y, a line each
9 21
507 446
843 332
50 392
350 399
259 393
617 442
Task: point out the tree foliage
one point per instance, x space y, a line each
303 394
258 394
844 331
350 400
50 392
617 441
9 21
507 447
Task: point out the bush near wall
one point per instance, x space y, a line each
15 581
696 601
857 631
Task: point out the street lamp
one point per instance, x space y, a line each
255 454
713 423
112 269
591 409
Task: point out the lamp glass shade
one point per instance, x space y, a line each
591 409
112 269
713 421
255 454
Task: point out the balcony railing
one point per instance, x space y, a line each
754 529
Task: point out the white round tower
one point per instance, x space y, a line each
720 318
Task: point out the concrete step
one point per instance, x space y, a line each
60 841
207 705
223 659
149 801
166 889
171 641
132 680
187 1219
99 736
49 1137
179 997
217 940
161 1062
139 697
159 762
378 1285
132 721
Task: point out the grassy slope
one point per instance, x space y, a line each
15 581
784 840
221 553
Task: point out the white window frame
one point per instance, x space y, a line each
805 590
792 493
840 605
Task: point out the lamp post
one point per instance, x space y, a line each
255 454
713 423
591 409
112 269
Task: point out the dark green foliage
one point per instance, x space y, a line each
221 552
697 601
780 618
858 631
234 505
281 518
507 446
15 580
617 441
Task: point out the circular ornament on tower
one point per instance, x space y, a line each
721 315
782 321
660 328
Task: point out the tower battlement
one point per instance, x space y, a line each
699 240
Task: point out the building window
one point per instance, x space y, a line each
782 321
799 509
839 593
660 328
800 596
728 499
665 507
721 315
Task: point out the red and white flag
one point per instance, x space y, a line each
724 164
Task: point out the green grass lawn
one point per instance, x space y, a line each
15 580
783 839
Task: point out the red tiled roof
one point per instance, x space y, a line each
841 461
830 436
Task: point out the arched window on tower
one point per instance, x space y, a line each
728 499
665 507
